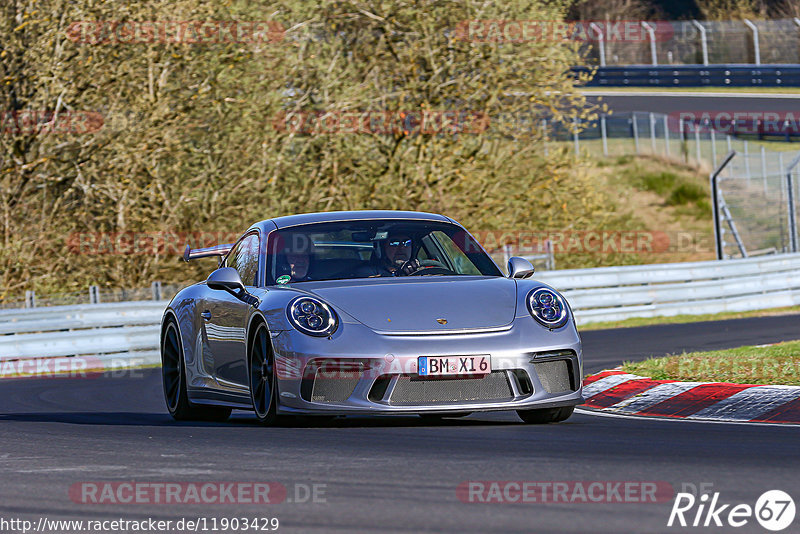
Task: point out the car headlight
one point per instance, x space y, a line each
548 307
312 316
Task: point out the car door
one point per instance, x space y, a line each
226 317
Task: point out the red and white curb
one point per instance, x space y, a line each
619 392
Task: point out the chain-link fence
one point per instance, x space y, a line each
754 201
695 43
756 205
656 134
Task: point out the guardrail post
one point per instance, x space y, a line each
30 299
747 163
715 202
544 135
790 200
506 253
697 143
666 133
781 186
703 40
551 258
604 134
684 140
756 48
730 147
714 145
601 43
576 137
94 295
652 35
653 132
635 132
155 287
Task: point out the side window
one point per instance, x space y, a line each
244 258
461 262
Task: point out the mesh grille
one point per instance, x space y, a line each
411 391
334 386
554 376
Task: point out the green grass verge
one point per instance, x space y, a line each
678 319
775 364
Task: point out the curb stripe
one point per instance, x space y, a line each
653 396
749 403
620 392
606 383
692 401
787 413
627 394
594 378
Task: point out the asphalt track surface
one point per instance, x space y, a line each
630 100
390 474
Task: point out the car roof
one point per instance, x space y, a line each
332 216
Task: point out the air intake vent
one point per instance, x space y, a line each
413 391
331 383
555 376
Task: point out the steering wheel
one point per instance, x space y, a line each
431 267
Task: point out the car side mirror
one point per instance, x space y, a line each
519 268
226 279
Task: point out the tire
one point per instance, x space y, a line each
438 417
546 415
263 382
173 380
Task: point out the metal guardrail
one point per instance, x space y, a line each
615 293
127 334
112 335
694 76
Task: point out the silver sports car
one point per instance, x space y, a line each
367 312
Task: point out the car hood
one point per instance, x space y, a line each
416 304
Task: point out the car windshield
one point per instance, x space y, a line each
374 248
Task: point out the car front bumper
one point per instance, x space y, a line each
361 372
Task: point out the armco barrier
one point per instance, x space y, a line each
122 334
114 335
694 76
615 293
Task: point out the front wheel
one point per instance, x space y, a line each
546 415
173 377
263 385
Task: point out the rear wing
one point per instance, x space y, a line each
217 250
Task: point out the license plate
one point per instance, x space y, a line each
453 365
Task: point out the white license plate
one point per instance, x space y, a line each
453 365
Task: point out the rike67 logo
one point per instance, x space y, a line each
774 510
